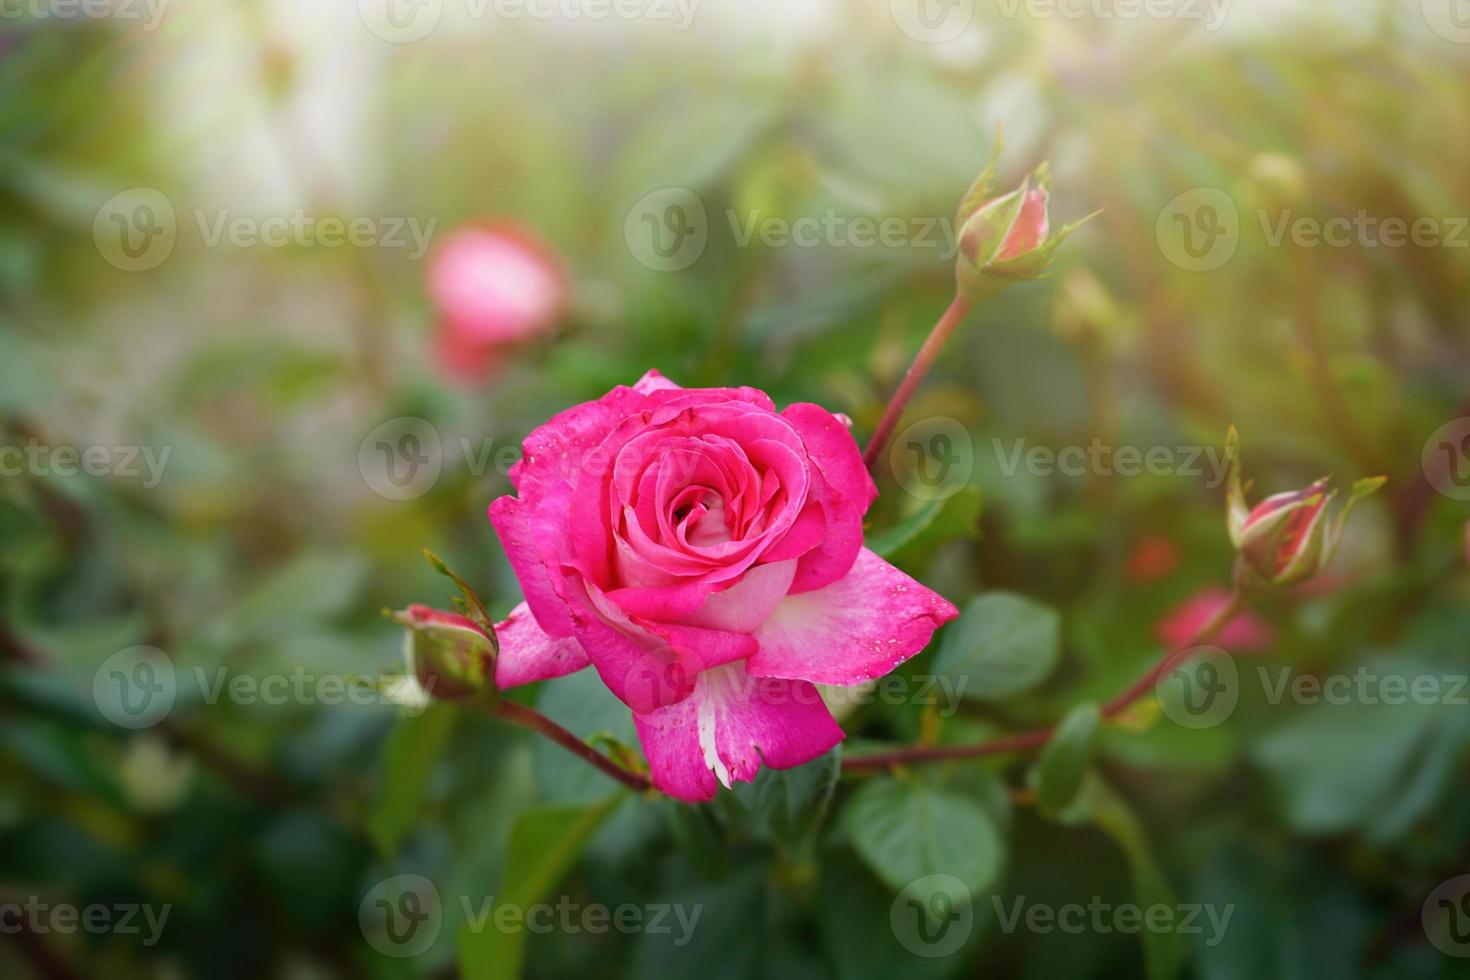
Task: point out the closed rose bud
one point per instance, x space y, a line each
450 655
1288 537
1005 238
492 285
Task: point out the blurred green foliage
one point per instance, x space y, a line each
268 825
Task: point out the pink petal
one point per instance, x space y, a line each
859 627
831 445
1030 227
509 517
728 727
653 381
748 603
528 653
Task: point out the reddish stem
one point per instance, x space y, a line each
519 714
1037 737
923 361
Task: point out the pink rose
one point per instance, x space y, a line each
492 285
704 553
1246 633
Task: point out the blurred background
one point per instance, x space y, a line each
285 284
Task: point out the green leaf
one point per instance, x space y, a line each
544 844
1063 764
474 608
1362 765
787 805
908 830
1001 645
408 764
955 516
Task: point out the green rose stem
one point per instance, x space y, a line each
923 361
1037 737
519 714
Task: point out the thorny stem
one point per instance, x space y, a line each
1037 737
924 360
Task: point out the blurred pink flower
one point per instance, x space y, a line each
1153 557
492 285
703 552
1245 633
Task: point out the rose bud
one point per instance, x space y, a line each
1288 537
1006 238
449 655
492 285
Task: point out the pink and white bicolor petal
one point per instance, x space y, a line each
528 653
729 726
853 630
